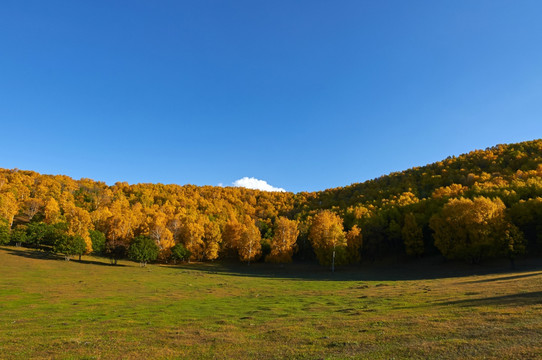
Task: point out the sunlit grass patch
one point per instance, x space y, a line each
56 309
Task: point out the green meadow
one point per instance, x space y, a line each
54 309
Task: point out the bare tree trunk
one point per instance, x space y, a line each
333 261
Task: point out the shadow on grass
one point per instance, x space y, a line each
45 255
423 269
520 299
390 270
503 278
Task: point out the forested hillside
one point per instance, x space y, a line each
487 203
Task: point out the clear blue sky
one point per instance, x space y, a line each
305 95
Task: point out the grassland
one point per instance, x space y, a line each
50 308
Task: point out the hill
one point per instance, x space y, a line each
482 204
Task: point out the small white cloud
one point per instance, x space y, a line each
253 183
220 184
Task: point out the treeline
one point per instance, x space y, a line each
478 205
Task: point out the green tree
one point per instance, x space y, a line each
44 236
98 241
513 242
412 236
79 246
143 249
69 245
4 233
18 235
179 253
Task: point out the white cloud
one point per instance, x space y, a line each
253 183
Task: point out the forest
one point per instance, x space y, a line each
479 205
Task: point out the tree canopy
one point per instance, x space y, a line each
482 204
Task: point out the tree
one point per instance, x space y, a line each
119 229
159 232
212 238
327 237
412 236
231 236
283 243
143 249
32 206
39 234
70 245
79 224
475 229
191 235
18 235
52 211
513 242
79 246
249 246
179 253
8 207
98 241
4 233
354 242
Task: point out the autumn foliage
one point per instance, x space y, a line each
487 203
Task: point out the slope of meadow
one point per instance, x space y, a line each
51 308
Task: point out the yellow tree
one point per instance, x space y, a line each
32 206
283 244
327 237
8 207
231 236
474 229
249 246
191 235
79 224
52 211
119 228
212 239
354 241
100 219
159 232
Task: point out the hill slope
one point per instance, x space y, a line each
394 212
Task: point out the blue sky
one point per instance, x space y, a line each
305 95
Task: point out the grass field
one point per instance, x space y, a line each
50 308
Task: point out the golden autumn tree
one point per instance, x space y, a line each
79 224
283 244
328 240
159 232
412 236
474 229
100 219
191 235
212 238
354 241
119 229
8 207
32 206
231 236
249 246
52 211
